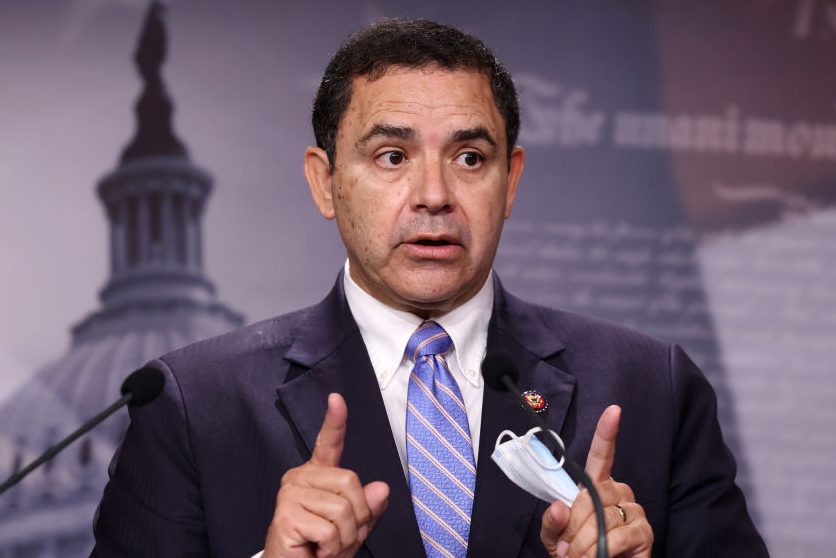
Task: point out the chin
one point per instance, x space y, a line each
441 297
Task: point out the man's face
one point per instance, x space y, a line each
420 187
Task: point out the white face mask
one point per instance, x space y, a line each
529 464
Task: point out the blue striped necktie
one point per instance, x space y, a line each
442 473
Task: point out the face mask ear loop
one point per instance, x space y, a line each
501 435
536 458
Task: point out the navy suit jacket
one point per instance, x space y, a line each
199 468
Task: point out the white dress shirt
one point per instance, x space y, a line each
386 331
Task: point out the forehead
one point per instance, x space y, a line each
423 98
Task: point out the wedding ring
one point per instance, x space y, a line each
622 513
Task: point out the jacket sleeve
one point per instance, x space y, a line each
707 515
152 502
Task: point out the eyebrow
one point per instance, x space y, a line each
479 132
406 133
388 131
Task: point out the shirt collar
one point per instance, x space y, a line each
386 331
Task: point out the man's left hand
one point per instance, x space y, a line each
573 533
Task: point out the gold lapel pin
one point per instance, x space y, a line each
534 400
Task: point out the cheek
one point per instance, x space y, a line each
485 223
351 205
359 219
487 209
368 214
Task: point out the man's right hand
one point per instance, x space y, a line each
322 510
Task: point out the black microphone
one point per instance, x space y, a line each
138 389
142 386
501 374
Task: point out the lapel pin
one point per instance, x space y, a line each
534 400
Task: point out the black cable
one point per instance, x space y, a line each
574 470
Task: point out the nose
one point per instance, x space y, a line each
432 189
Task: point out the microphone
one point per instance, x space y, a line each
142 386
138 389
501 374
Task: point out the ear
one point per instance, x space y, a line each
318 173
514 173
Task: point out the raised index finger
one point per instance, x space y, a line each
329 442
602 451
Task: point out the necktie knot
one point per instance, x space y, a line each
429 339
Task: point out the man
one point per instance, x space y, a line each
360 426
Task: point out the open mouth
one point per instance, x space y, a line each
428 242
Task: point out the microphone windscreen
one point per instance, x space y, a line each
495 367
144 385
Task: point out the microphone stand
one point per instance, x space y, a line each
54 450
139 388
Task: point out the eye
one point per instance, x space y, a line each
470 159
391 159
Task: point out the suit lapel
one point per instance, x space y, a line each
330 355
344 367
502 512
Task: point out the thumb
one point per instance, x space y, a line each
331 438
555 520
602 451
377 497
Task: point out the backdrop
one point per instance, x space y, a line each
681 179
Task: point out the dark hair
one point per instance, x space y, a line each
410 43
